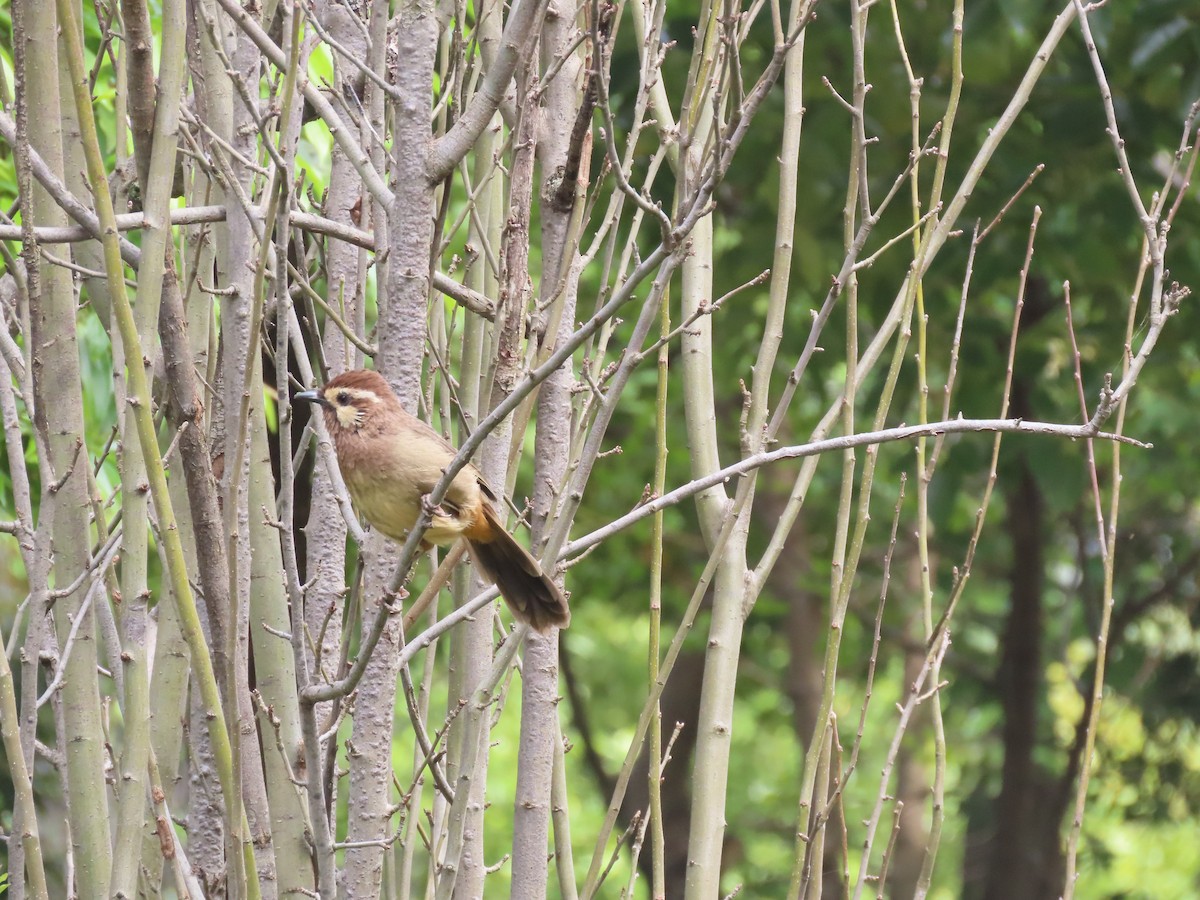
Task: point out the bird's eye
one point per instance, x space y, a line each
343 398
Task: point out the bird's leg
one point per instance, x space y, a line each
432 511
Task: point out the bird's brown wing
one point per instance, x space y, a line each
426 432
487 489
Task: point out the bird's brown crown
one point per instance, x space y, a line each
351 396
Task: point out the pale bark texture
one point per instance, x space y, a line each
711 368
54 374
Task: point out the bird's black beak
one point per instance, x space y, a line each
312 397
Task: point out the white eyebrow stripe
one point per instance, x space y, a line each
354 394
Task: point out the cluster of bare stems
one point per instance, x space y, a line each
425 208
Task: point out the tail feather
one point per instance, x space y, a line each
531 594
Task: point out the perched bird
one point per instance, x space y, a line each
391 460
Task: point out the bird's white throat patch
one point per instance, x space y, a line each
350 404
348 416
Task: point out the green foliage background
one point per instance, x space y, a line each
1144 811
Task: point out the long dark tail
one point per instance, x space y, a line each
531 594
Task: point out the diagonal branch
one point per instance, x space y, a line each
448 150
844 442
